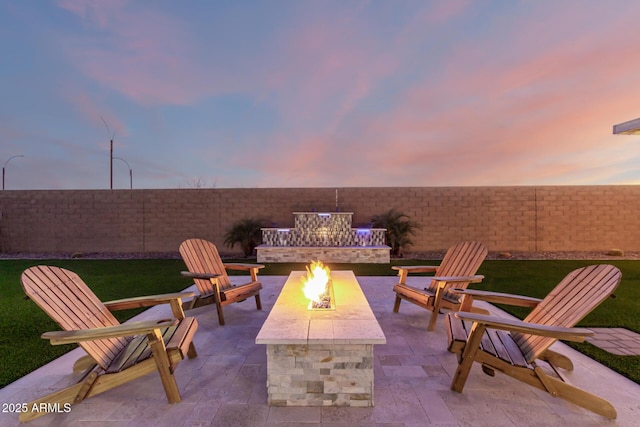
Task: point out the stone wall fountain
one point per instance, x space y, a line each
328 236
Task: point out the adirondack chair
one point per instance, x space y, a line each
116 353
457 268
210 276
520 348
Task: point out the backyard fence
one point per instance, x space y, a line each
544 218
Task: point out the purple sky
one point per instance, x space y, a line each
324 93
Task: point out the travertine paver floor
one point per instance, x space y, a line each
618 341
226 384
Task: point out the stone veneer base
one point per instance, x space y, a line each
347 254
320 375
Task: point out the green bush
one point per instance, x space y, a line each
247 232
399 229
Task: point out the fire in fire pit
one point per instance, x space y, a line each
317 286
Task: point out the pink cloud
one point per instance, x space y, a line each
528 104
508 123
140 52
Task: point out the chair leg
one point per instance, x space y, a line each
220 315
192 353
471 348
163 364
258 302
437 304
433 319
396 306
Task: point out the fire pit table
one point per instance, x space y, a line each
324 356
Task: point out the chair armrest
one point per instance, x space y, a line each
196 275
514 325
498 297
146 301
452 279
123 330
240 266
404 270
251 268
416 268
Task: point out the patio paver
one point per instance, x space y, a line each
226 384
618 341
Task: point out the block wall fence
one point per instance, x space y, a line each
545 218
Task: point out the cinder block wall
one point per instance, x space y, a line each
549 218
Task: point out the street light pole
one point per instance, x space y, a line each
110 152
5 165
130 172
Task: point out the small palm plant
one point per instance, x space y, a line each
247 232
399 229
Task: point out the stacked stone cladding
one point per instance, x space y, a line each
323 229
320 375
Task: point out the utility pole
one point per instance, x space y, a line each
110 152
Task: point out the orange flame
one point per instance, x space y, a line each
316 281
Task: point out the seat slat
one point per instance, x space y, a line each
496 348
139 349
514 352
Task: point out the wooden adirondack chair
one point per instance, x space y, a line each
211 279
457 268
117 353
520 348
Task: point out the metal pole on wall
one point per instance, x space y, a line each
5 165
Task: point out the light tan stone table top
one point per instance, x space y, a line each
352 321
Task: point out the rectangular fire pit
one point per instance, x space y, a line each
321 357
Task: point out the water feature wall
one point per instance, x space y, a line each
327 236
323 229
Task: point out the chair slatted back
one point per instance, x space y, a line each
463 259
201 256
71 304
577 295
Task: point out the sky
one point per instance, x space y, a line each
304 93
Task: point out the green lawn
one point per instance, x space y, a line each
22 322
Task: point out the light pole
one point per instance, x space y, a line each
130 172
110 152
5 165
